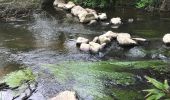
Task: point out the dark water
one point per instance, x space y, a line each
50 38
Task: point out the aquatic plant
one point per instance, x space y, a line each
160 90
17 78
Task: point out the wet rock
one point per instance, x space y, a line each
124 39
81 40
130 20
102 16
136 53
116 21
104 39
92 22
166 38
139 39
85 47
69 5
94 47
66 95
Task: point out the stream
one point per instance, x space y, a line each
49 40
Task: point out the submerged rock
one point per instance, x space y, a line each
92 22
166 38
66 95
116 21
81 40
136 53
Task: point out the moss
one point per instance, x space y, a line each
94 78
17 78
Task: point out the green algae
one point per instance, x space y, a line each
17 78
92 78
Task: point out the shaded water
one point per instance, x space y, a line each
50 37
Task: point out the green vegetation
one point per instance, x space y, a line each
95 3
91 78
17 78
161 91
144 3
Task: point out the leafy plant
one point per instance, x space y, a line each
160 90
148 3
94 3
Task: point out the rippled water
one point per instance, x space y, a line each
50 38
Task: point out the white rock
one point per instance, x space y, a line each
66 95
85 47
116 20
125 39
102 16
124 35
76 10
110 34
139 39
86 17
81 40
61 5
166 38
92 11
95 39
56 2
69 5
94 47
104 39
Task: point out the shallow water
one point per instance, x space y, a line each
50 37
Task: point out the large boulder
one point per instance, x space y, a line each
124 39
85 47
166 38
104 39
66 95
81 40
110 35
116 21
92 11
86 17
94 47
69 5
76 10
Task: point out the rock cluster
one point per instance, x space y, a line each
85 15
100 42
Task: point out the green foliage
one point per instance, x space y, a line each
94 3
148 3
160 90
17 78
